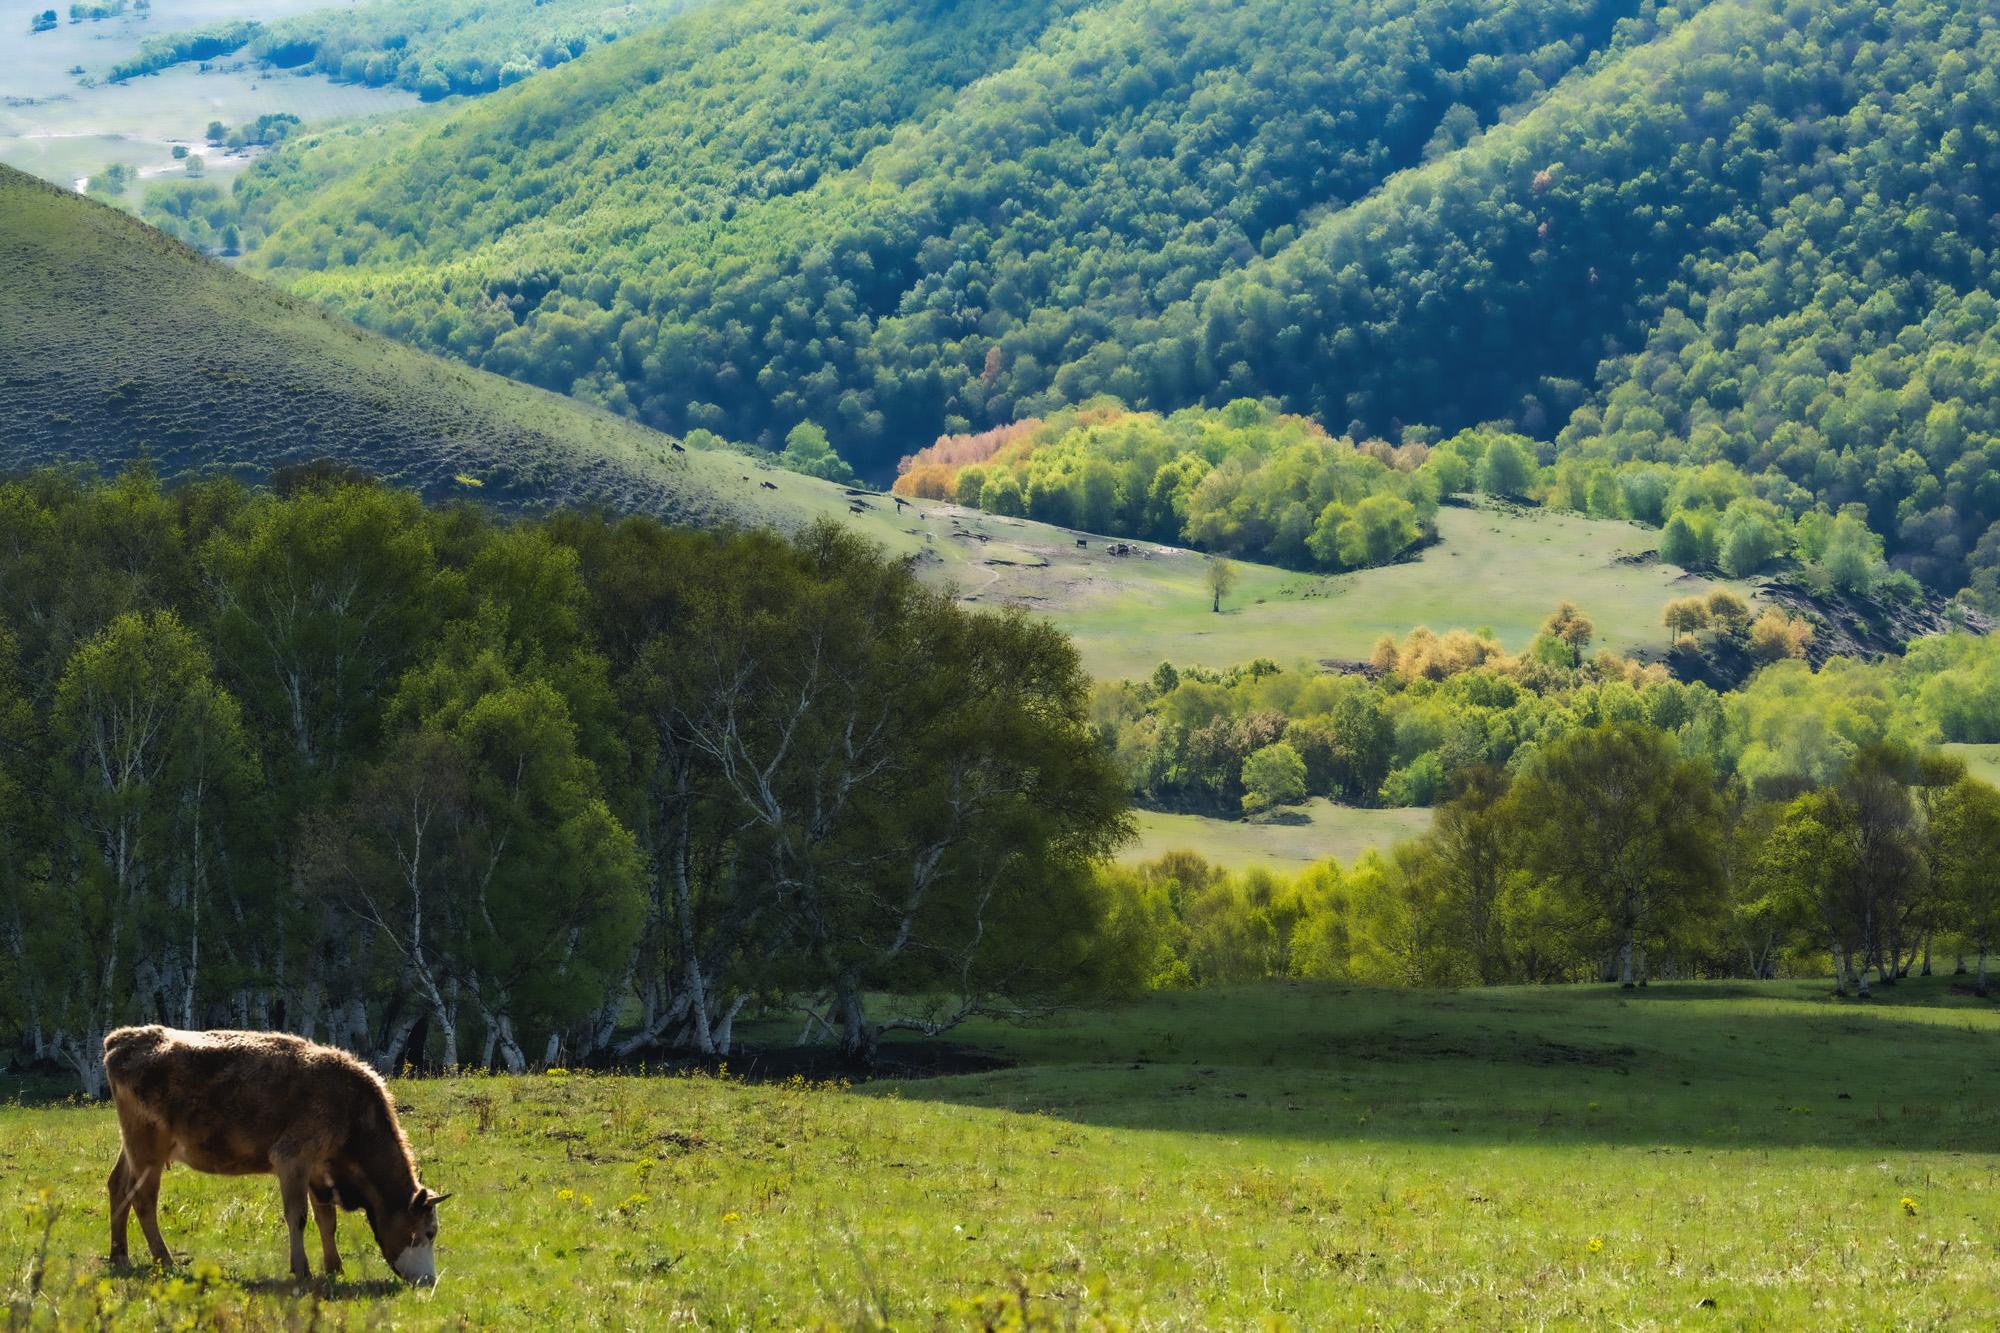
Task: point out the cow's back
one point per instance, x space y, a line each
226 1097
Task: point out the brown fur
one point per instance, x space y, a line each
242 1103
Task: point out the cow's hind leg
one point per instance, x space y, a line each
325 1214
120 1189
135 1181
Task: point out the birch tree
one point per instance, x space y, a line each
1807 873
912 778
319 607
1624 830
152 751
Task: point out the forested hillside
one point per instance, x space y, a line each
1745 231
960 201
434 48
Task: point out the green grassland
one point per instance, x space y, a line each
1982 761
1312 832
1693 1156
1498 568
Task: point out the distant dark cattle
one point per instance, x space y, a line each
1082 541
675 447
855 509
768 485
245 1103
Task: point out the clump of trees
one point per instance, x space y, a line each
438 787
202 43
1407 727
1244 480
1398 733
1723 617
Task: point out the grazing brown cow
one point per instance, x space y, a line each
243 1103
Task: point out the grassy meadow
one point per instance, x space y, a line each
1982 761
1691 1156
1307 833
1503 568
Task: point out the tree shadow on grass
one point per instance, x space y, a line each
1697 1066
38 1087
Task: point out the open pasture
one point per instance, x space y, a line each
1300 836
1501 568
1691 1156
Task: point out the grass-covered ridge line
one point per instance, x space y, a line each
1682 1157
121 342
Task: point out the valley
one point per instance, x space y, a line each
1001 664
65 120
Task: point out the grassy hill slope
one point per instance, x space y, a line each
1500 568
1694 1156
119 341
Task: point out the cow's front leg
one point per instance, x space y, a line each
292 1191
325 1214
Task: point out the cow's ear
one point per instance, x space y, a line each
426 1199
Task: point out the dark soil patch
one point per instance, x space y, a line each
1846 626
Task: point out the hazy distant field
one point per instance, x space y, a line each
54 127
1983 761
1323 830
1717 1156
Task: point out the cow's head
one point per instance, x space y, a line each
408 1236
